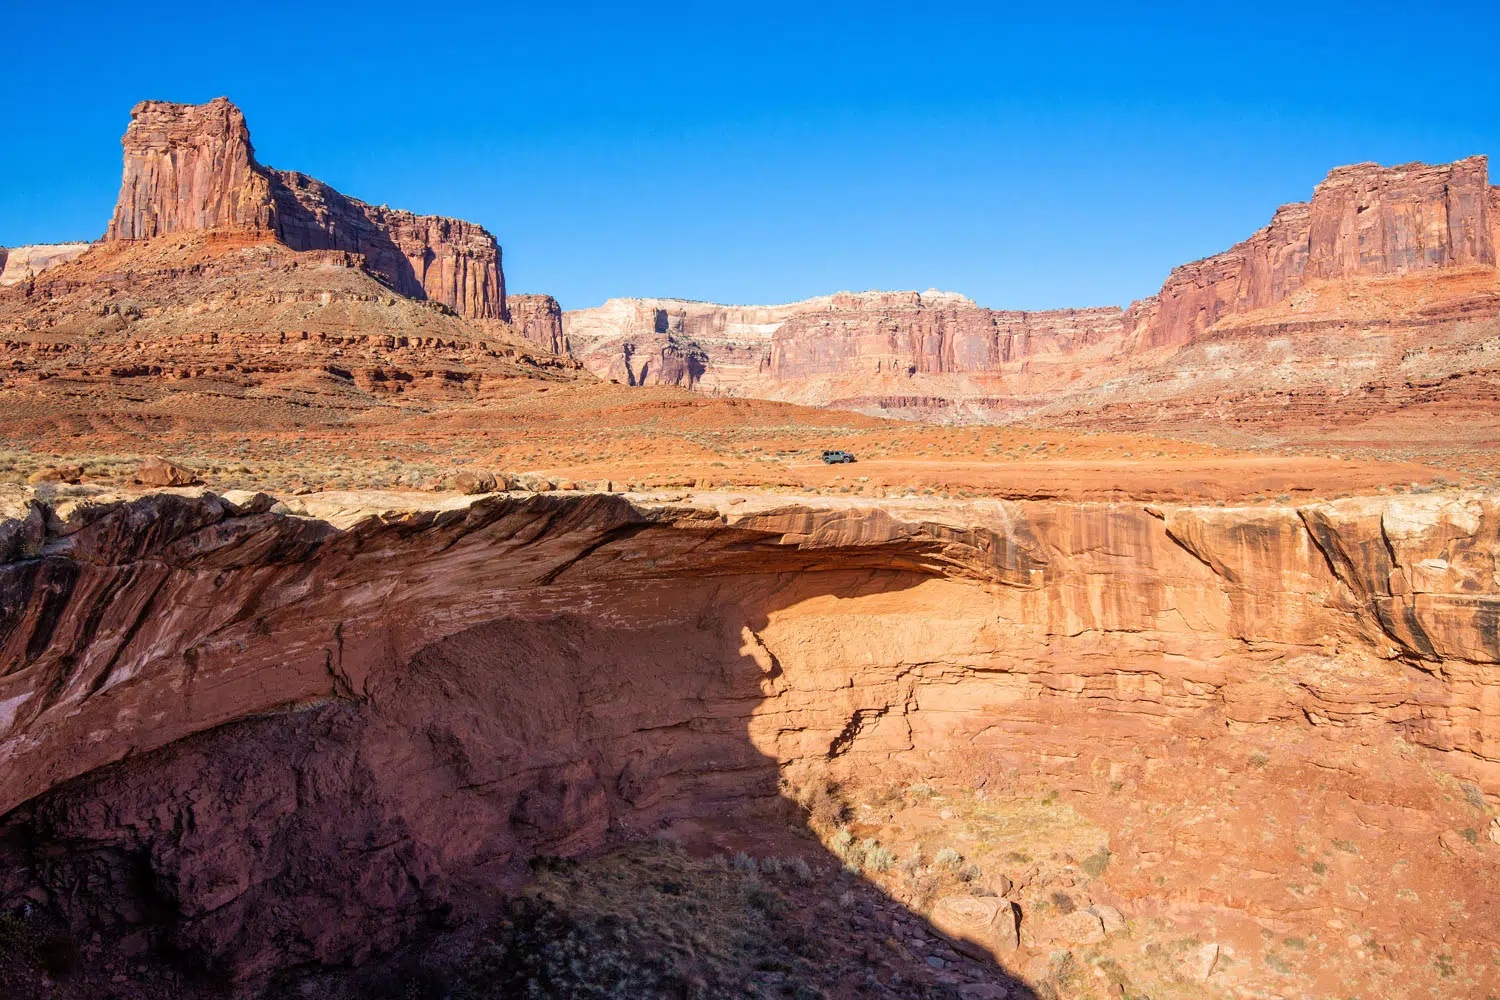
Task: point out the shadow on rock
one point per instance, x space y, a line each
515 809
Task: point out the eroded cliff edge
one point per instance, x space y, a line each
455 685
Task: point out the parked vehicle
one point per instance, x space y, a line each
839 457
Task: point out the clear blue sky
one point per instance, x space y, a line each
1062 154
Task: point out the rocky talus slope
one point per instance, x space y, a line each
1281 716
191 167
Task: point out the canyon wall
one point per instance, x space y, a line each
192 167
698 345
1389 262
907 332
1363 220
782 351
18 264
456 685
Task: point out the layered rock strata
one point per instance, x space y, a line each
793 351
1415 243
453 686
1363 220
192 167
539 319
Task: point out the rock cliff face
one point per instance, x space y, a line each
1363 220
192 167
698 345
19 264
539 319
189 167
421 256
907 332
455 686
795 351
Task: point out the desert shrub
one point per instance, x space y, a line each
948 858
848 850
1095 864
825 804
743 862
878 859
1473 794
919 792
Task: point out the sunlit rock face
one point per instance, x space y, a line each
1363 221
18 264
191 167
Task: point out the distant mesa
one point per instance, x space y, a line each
921 355
18 264
191 167
937 355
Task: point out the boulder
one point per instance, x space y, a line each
474 481
23 528
56 474
1080 927
242 502
158 471
982 927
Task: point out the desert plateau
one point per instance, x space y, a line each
372 629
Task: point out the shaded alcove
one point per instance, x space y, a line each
359 843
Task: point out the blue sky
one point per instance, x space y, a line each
1030 157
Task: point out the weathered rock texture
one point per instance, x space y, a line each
821 350
192 167
18 264
698 345
538 318
249 314
1364 220
454 686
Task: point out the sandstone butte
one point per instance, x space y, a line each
1194 721
190 168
